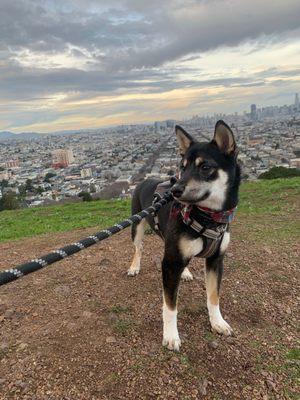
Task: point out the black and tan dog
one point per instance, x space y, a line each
196 223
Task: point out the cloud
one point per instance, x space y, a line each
53 52
137 34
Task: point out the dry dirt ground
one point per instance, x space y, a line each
82 329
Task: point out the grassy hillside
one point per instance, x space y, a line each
85 317
268 200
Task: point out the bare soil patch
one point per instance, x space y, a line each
82 329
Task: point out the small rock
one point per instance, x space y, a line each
203 387
270 384
157 262
231 339
8 313
105 262
21 384
62 290
288 310
4 346
111 339
87 314
267 250
214 344
22 346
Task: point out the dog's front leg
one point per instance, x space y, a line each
171 273
213 277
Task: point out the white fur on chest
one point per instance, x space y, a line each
190 247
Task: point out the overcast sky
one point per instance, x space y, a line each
77 64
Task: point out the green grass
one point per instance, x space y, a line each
259 201
269 197
123 326
35 221
117 309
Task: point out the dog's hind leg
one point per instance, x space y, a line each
213 277
137 233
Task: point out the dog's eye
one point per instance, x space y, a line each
205 167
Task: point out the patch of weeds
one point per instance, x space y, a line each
280 278
209 336
290 370
259 362
123 326
293 354
292 365
185 360
114 377
166 354
289 395
238 265
137 366
117 309
255 344
2 354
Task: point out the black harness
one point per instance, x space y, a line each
200 221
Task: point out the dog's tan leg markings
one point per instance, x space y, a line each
138 240
218 324
170 334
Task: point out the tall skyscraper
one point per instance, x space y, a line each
297 104
253 112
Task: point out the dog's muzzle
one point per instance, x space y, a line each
177 190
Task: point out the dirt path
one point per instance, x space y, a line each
82 329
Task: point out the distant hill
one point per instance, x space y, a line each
6 135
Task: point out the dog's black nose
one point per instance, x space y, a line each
177 190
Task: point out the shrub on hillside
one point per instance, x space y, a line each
9 201
280 172
85 196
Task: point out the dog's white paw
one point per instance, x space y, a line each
132 272
221 326
172 343
186 275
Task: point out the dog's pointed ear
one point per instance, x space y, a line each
184 139
224 138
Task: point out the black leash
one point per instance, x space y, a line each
12 274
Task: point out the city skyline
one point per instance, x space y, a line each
84 65
249 112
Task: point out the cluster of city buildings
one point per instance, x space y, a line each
110 162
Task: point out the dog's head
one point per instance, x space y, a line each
209 172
